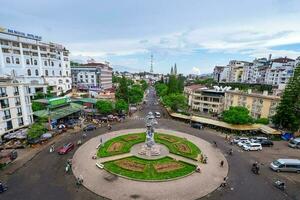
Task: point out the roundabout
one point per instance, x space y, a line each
128 173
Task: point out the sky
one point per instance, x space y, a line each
194 34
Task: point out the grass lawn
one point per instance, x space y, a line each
120 144
178 145
149 171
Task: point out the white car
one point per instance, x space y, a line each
157 114
242 142
252 147
239 139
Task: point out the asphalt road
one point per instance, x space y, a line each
44 177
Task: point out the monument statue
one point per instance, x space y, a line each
150 148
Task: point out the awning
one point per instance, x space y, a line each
60 112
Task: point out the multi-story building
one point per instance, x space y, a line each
29 60
188 91
221 74
281 71
207 101
260 105
92 76
15 106
237 70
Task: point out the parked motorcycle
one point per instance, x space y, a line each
280 185
3 187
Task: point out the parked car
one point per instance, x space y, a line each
157 114
266 143
66 148
90 127
252 147
196 125
239 139
242 142
295 143
287 165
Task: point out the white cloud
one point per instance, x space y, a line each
196 70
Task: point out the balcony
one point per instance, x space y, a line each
3 95
16 93
19 114
18 103
21 124
4 105
6 117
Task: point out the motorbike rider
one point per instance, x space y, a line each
230 152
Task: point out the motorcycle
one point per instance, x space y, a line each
280 185
3 187
255 169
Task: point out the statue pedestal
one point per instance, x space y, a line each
150 151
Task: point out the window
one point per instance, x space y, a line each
27 62
45 63
67 73
4 103
20 121
15 44
3 92
17 61
59 65
8 60
19 110
46 72
53 73
9 125
35 62
52 63
60 73
6 114
67 81
16 91
36 72
17 101
25 46
60 81
28 72
66 65
34 47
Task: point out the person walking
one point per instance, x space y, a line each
222 163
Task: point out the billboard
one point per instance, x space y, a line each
59 101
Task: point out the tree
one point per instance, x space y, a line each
144 84
288 111
136 94
122 91
37 106
262 121
39 95
237 115
172 84
121 105
104 107
175 101
37 129
161 89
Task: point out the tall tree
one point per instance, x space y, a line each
237 115
121 106
288 110
104 107
172 84
122 91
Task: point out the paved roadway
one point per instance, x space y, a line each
44 178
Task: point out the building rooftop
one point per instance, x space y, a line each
195 87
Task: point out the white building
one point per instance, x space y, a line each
29 60
15 106
236 70
92 76
281 71
221 73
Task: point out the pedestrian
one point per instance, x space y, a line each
222 163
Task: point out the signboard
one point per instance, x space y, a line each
20 34
55 102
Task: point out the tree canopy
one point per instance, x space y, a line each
104 107
175 101
121 105
237 115
37 106
288 111
136 94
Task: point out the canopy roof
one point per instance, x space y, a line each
60 112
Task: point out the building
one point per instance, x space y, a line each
260 105
92 76
205 100
188 91
281 71
30 60
15 111
221 74
237 70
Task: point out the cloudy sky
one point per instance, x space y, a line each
195 34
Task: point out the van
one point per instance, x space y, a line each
286 165
252 147
295 143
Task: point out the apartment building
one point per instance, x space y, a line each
207 101
15 106
92 76
28 59
260 105
188 91
236 70
221 73
281 71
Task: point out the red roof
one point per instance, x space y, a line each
96 64
283 60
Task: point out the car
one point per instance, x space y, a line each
266 143
238 139
150 113
196 125
288 165
66 148
295 143
241 142
157 114
90 127
252 147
